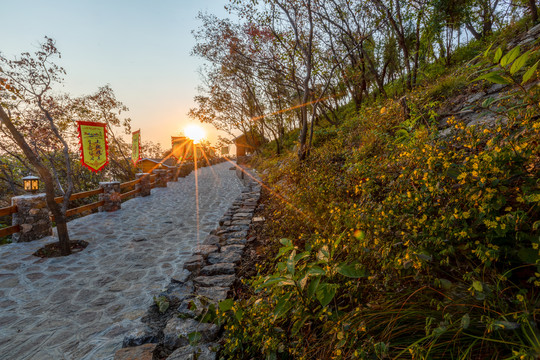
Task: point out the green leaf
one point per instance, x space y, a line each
276 281
323 254
298 324
313 286
301 256
284 250
477 285
465 321
529 73
351 270
303 281
498 54
519 63
486 53
283 306
286 242
226 305
445 284
316 271
336 245
239 314
488 101
194 337
493 77
291 263
528 255
325 293
510 56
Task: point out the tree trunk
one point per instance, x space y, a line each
61 226
534 11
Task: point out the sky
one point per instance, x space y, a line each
140 48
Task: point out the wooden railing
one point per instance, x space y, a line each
10 229
127 190
129 185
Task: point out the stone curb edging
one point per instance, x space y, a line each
207 278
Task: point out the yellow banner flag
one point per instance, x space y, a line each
136 147
94 147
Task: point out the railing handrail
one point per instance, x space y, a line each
8 210
129 183
10 230
80 195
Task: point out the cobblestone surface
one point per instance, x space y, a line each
81 306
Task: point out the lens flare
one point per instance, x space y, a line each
195 133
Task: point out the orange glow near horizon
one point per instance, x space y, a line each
195 133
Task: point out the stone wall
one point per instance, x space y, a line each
207 278
33 217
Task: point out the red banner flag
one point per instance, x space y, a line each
136 147
94 147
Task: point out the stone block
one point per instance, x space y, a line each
211 240
193 263
205 250
218 269
143 352
235 241
178 291
215 294
230 257
199 352
181 276
213 281
140 335
177 330
236 234
237 248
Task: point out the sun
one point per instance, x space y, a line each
195 133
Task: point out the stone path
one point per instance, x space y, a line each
81 306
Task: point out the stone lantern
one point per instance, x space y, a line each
31 183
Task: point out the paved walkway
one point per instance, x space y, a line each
81 306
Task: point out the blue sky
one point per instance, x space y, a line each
141 48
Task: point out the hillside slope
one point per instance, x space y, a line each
412 229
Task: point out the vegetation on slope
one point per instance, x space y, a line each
393 240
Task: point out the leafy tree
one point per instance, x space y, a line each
42 124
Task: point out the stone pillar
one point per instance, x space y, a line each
32 216
144 184
173 174
161 177
111 196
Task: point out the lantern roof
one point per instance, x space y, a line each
30 177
